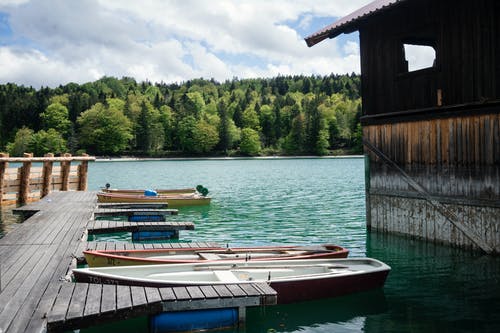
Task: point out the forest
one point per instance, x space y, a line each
284 115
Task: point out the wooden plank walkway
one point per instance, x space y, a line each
35 258
133 212
36 255
105 226
78 305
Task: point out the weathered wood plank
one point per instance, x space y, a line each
181 293
123 297
167 294
60 308
108 302
195 292
236 290
77 306
138 296
223 291
152 295
93 302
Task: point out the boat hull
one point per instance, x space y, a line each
97 258
352 275
297 291
173 201
159 191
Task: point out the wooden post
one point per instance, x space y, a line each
24 187
3 169
65 167
47 176
82 174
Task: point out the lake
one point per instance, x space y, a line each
304 201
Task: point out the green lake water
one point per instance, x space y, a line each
431 288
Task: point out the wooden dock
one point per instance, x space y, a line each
104 226
36 256
99 212
78 305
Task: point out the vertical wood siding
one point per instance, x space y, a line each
456 159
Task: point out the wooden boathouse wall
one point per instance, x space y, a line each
439 125
455 159
431 132
36 177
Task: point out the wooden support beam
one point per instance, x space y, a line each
65 167
3 167
24 188
82 175
47 176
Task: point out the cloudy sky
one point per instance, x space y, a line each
53 42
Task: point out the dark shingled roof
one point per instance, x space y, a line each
350 22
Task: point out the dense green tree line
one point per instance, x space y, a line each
285 115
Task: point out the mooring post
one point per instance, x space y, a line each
3 167
47 175
82 174
242 316
65 167
24 186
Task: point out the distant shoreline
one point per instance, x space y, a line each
129 159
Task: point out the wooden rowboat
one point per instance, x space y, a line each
102 258
159 191
173 201
294 280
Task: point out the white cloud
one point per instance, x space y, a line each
57 41
351 48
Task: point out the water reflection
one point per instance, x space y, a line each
435 287
8 219
340 314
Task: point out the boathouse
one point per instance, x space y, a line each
431 117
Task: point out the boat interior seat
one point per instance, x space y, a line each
208 256
226 276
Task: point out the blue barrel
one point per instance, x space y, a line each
146 218
181 321
150 193
138 236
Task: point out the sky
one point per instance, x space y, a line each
47 43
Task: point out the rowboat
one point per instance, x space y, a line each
102 258
173 200
294 280
159 191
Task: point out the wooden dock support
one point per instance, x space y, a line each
47 176
136 214
80 305
3 168
24 175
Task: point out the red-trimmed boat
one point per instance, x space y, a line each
102 258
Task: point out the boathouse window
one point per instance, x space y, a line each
419 56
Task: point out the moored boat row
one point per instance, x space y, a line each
297 273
